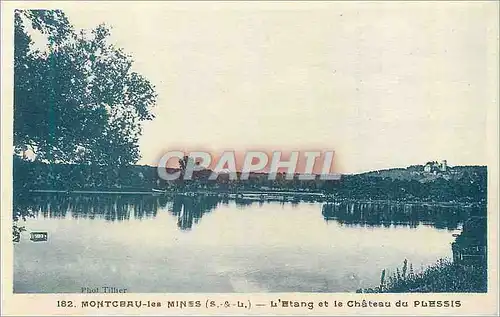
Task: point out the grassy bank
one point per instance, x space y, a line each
441 277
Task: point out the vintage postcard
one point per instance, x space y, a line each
249 158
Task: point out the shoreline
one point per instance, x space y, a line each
250 195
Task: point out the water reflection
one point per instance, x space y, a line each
259 246
108 207
398 214
190 209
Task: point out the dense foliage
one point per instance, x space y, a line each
442 277
76 98
469 185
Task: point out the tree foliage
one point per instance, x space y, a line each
76 99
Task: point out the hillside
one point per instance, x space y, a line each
454 184
417 173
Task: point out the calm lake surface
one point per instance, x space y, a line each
158 244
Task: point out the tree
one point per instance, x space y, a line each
76 100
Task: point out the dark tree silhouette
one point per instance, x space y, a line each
76 100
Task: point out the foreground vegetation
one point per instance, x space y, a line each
442 277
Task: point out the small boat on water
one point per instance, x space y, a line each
158 191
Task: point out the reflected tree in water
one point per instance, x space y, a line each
189 210
390 213
108 207
22 208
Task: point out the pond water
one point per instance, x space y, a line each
180 244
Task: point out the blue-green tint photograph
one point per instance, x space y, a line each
265 150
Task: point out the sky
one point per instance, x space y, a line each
383 85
